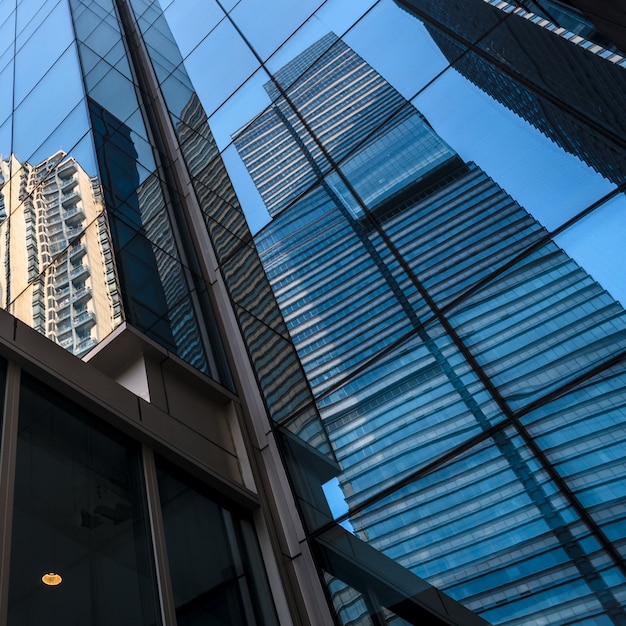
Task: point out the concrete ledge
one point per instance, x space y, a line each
203 442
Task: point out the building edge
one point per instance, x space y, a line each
292 572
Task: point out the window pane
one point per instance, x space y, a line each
78 512
208 572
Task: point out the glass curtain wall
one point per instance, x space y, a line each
87 234
447 258
441 219
211 574
81 548
94 220
279 374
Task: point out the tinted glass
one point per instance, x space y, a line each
437 202
79 513
211 576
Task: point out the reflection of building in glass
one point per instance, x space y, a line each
154 286
65 286
461 361
568 15
148 479
602 22
277 367
569 88
280 152
173 474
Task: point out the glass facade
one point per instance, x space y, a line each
79 513
84 532
210 571
412 213
105 219
102 189
106 164
443 196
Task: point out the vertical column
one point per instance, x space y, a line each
281 535
166 596
8 449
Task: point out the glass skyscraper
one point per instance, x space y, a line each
571 99
141 485
426 428
460 359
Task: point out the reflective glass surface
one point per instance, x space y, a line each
504 524
52 204
277 368
70 101
356 609
580 433
437 200
436 195
55 242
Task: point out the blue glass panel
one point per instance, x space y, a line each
492 530
595 242
6 79
549 182
55 28
583 434
58 92
191 21
214 82
266 30
384 35
406 408
540 324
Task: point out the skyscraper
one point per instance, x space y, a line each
178 471
551 74
77 302
145 482
449 343
110 467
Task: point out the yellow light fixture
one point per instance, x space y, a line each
51 579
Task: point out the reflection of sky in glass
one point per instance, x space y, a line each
217 78
192 22
596 242
267 29
248 194
239 109
405 55
549 183
30 64
552 185
48 95
337 502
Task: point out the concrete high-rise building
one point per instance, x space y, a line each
463 364
65 285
